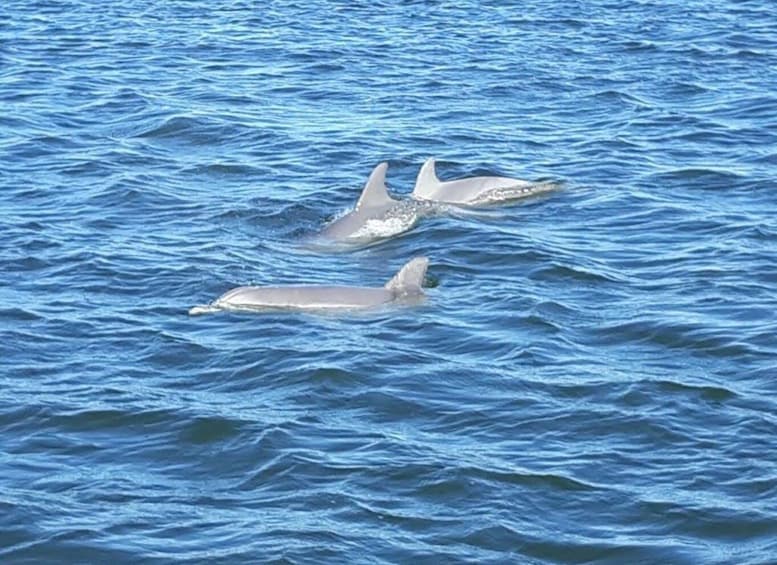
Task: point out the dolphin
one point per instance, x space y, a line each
405 286
376 214
473 191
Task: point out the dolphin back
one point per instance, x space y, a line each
474 191
410 277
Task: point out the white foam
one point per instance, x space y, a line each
385 227
202 309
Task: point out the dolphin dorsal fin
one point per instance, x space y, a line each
426 183
375 192
410 277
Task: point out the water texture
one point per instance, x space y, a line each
592 376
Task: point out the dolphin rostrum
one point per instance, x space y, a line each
376 214
473 191
405 286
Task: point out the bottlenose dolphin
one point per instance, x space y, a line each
473 191
376 214
404 286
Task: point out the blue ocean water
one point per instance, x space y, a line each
592 378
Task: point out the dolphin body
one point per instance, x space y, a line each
376 214
473 191
405 286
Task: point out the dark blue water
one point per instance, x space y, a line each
592 378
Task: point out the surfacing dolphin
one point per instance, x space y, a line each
405 286
376 214
473 191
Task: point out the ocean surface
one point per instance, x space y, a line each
592 377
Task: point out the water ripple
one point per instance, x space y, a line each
589 379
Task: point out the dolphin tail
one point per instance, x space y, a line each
410 277
426 183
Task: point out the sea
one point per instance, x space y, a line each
591 378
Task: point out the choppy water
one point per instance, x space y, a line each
592 377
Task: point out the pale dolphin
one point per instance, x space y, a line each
405 286
376 214
473 191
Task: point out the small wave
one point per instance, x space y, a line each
111 418
555 270
189 130
173 127
20 314
700 177
678 335
209 430
222 169
705 392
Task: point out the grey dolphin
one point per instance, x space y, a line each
404 286
473 191
376 214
